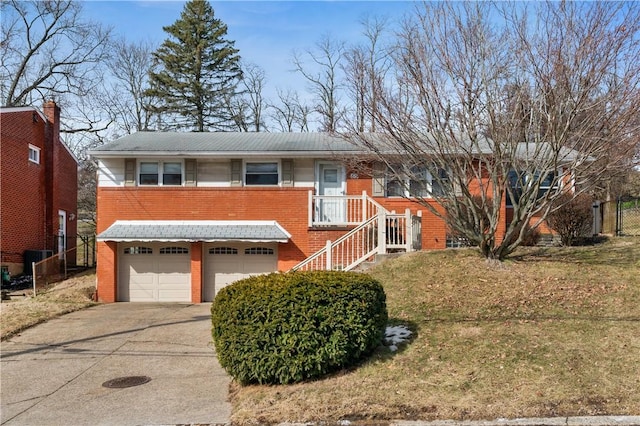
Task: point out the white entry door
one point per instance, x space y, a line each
331 183
62 233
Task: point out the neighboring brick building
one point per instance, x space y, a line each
38 185
181 215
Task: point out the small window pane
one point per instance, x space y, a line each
440 184
148 173
174 250
261 174
262 167
223 250
259 250
172 168
148 168
331 175
394 188
34 154
172 174
138 250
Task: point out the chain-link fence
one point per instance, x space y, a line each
80 256
628 216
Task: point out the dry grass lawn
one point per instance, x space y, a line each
70 295
551 332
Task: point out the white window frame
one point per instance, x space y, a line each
529 177
34 154
278 171
406 184
160 164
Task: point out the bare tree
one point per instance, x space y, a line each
49 50
130 65
525 110
290 114
364 65
248 105
253 81
323 77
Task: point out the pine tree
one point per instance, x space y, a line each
198 70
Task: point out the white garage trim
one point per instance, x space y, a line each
154 272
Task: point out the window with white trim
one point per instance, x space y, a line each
148 173
160 173
519 182
138 250
34 154
261 173
172 173
174 250
258 250
417 181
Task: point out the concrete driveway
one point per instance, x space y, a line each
53 374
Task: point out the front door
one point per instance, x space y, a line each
331 207
62 233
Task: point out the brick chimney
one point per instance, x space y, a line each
51 143
52 113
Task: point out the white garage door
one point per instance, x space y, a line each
226 263
154 272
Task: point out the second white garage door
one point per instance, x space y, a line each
153 272
226 263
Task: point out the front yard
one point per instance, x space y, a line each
552 332
70 295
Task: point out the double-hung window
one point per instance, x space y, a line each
166 173
148 173
263 173
521 182
34 154
547 182
171 173
417 181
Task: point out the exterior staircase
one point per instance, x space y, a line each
377 231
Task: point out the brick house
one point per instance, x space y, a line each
39 186
181 215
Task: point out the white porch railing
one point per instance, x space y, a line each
341 210
378 234
403 231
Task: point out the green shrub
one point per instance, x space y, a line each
284 328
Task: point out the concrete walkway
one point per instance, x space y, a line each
52 374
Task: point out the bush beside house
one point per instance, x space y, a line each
285 328
573 218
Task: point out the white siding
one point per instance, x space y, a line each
304 172
111 172
214 173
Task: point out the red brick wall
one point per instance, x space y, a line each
22 192
64 175
196 272
107 271
287 206
33 193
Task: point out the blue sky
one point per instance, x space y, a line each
265 32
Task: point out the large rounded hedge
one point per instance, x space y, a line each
284 328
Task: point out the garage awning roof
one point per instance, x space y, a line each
195 230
